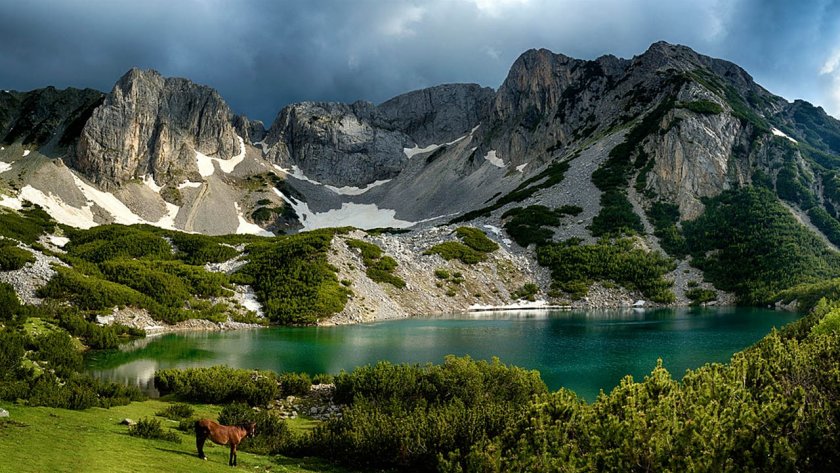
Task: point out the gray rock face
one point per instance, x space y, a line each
48 118
437 114
357 144
336 143
152 125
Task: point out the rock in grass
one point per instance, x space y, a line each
4 413
127 422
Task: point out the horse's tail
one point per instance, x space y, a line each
201 430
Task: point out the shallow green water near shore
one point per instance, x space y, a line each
581 350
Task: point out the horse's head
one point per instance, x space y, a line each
251 428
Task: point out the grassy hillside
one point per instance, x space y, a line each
43 439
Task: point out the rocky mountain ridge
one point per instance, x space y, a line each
620 138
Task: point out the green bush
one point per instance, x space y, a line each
476 239
525 225
665 217
404 416
177 411
829 324
236 413
528 292
151 428
108 242
292 279
218 385
746 242
574 267
13 257
10 307
450 250
295 384
25 226
379 268
323 378
197 249
699 296
441 273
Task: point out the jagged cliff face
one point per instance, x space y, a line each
356 145
445 150
152 125
46 118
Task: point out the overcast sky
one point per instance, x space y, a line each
262 55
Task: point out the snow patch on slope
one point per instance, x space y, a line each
58 209
246 228
4 167
10 202
521 167
778 132
205 163
298 174
151 184
187 184
411 152
365 216
350 190
26 153
493 159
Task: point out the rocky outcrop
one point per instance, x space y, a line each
336 143
47 118
438 114
152 125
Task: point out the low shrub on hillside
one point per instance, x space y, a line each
748 243
218 385
151 428
295 384
476 239
13 257
450 250
574 267
177 411
379 268
292 279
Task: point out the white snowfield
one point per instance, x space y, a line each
151 184
493 159
411 152
10 202
364 216
205 163
779 132
189 184
26 152
521 167
4 167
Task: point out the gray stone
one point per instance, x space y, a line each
154 125
4 413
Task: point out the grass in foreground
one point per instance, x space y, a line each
40 439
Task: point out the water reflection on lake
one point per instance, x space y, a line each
582 350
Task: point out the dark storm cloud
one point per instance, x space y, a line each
262 55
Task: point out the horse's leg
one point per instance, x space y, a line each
232 461
200 438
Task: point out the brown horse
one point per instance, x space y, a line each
221 435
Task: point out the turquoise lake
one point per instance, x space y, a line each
585 351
